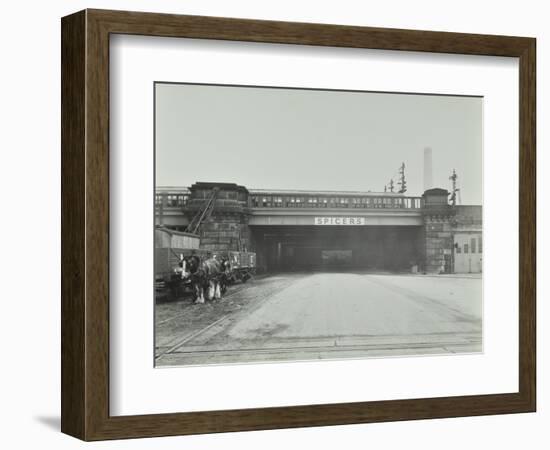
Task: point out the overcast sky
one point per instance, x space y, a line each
267 138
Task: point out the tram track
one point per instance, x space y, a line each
222 322
190 336
177 316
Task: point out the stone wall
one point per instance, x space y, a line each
438 241
225 231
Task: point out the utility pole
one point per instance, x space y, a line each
454 191
402 182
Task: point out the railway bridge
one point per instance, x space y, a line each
298 230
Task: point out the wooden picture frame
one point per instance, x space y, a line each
85 224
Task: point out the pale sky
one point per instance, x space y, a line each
268 138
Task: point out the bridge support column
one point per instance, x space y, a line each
226 232
226 227
438 231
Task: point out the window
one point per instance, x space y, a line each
473 245
458 249
175 200
158 199
172 200
286 201
465 248
343 202
479 245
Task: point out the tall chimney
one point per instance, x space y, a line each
428 180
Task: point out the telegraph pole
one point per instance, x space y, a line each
402 182
454 191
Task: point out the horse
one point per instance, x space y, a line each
225 276
204 275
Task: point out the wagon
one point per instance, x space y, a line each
171 245
169 284
242 265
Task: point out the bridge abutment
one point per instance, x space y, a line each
438 231
226 226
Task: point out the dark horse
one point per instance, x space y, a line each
205 276
225 276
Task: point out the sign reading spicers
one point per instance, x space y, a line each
340 221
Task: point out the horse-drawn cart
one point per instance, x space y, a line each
242 265
171 247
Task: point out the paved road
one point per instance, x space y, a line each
338 315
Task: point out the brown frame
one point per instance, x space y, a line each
85 224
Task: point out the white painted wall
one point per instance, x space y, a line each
30 172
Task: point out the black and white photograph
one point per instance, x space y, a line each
300 224
293 224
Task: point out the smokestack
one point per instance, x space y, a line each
428 180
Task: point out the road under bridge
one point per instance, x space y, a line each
324 315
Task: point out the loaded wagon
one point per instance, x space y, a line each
171 245
242 265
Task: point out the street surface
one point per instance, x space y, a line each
305 316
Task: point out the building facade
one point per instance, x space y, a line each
298 230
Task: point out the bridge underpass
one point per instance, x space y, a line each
376 248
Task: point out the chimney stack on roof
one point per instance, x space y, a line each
428 178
